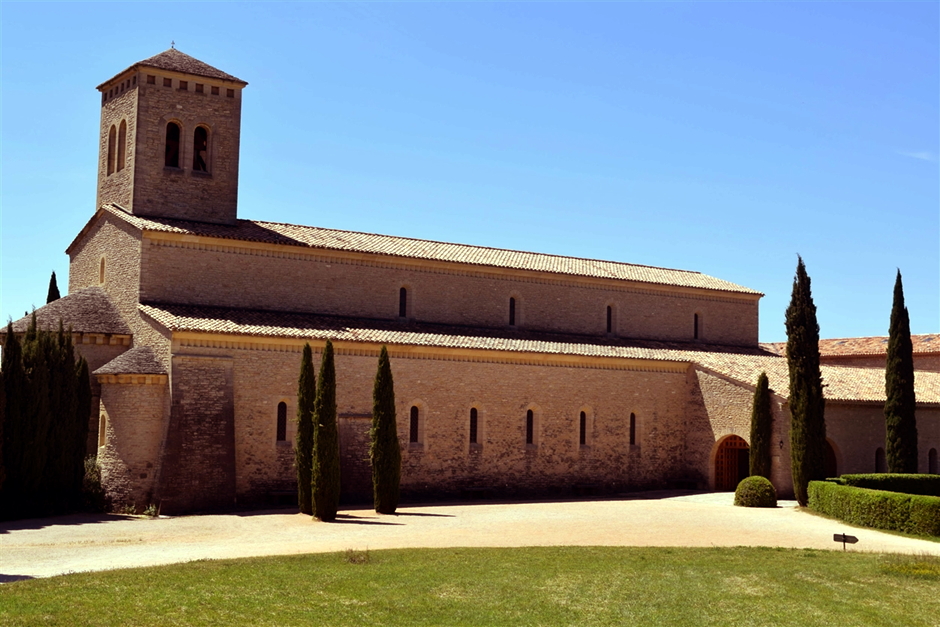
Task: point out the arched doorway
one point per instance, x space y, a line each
732 463
832 468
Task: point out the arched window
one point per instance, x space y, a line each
473 425
121 145
582 429
413 431
201 149
172 158
880 463
932 462
111 134
281 421
632 429
512 312
403 302
530 427
695 329
101 271
610 319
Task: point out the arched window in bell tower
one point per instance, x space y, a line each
121 145
201 149
111 151
172 159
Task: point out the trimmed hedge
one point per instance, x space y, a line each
926 485
879 509
755 491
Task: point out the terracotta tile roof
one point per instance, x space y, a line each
177 61
741 364
87 310
331 239
863 346
139 360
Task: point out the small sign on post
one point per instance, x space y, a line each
844 539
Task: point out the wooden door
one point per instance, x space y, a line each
731 463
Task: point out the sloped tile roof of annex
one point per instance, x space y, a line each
88 310
404 247
863 346
740 364
138 360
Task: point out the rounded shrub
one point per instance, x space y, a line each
755 491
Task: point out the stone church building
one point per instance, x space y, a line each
516 373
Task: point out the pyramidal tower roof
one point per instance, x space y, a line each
177 61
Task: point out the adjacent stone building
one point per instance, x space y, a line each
516 373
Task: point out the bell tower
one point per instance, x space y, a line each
169 139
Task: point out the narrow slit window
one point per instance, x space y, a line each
403 302
172 158
111 139
201 149
512 312
881 464
632 429
121 145
583 429
281 421
610 319
529 427
102 430
101 271
413 431
932 462
473 425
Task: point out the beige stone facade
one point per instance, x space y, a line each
583 376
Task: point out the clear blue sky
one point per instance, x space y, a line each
723 138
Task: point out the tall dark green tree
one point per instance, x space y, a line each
3 405
807 405
384 449
53 293
325 473
761 428
900 423
303 451
16 394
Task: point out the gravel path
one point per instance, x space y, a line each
54 546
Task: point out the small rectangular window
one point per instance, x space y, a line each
184 85
230 93
104 98
151 79
198 88
134 80
167 82
215 91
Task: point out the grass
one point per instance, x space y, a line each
522 586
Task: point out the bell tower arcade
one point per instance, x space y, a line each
169 138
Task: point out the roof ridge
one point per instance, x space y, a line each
478 247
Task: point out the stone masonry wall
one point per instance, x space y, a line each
174 272
119 245
135 416
198 465
182 192
719 407
857 430
444 462
118 187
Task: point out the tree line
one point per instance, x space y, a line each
45 403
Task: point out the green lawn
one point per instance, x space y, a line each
528 586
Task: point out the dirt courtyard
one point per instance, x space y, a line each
54 546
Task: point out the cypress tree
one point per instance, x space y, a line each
53 293
900 422
384 449
3 404
79 436
807 405
325 474
303 451
761 428
37 357
14 387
